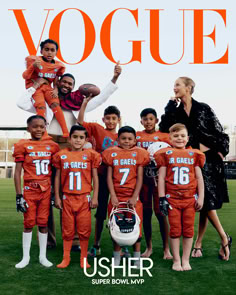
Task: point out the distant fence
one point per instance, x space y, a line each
8 137
230 169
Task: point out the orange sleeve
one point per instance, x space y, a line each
56 148
143 158
200 159
166 138
106 158
61 71
160 159
91 127
27 74
96 159
19 152
56 161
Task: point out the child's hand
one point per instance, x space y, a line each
39 82
132 202
117 69
54 93
164 206
21 204
87 99
198 204
114 201
42 81
93 203
58 203
37 63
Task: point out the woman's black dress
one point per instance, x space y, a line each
203 127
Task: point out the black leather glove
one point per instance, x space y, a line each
21 204
163 205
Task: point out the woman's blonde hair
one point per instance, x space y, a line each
188 82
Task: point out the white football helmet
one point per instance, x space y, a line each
123 225
156 146
151 169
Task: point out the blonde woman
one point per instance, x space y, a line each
206 134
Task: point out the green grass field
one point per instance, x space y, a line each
209 274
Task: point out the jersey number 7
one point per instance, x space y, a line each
125 172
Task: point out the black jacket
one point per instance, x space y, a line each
202 124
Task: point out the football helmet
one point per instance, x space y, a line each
156 146
123 225
151 169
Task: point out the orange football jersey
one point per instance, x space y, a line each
47 70
104 138
144 139
76 169
125 163
36 157
180 174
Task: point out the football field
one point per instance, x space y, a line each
209 275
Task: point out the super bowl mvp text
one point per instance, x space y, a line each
131 275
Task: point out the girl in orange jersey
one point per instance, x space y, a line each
34 157
76 170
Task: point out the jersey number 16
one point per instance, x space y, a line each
181 175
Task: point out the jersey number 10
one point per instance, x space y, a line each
41 166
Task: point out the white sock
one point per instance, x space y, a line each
116 255
137 262
26 243
42 249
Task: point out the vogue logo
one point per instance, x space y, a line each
105 34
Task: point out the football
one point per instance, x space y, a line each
87 88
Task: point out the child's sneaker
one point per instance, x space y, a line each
94 251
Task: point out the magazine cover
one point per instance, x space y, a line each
139 55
